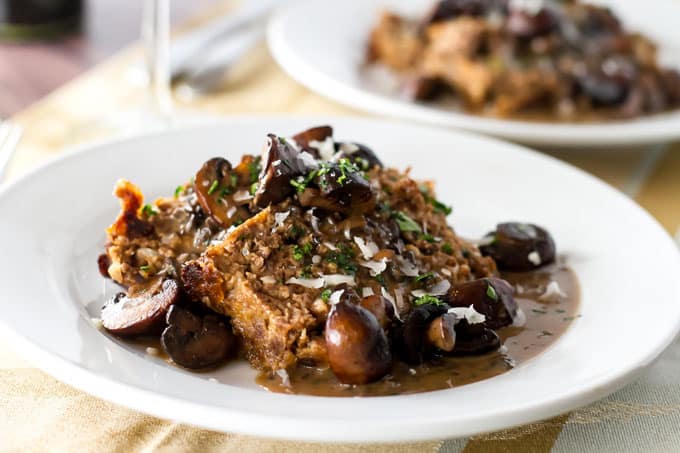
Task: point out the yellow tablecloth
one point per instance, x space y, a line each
38 413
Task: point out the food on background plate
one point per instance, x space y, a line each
329 273
533 59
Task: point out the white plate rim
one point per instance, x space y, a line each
200 415
641 131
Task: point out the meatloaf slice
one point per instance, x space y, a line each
239 279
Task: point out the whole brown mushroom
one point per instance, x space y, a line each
195 340
517 246
492 297
358 350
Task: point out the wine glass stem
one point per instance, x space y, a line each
156 34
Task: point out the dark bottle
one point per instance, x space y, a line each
39 19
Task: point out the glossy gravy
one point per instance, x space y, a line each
546 320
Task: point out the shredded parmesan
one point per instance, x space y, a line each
534 258
367 291
553 293
306 282
268 280
368 249
285 379
326 148
242 195
408 269
334 298
375 267
471 315
280 217
338 279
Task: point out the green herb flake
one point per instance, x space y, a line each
380 278
343 258
149 210
254 169
225 192
559 310
325 295
299 252
427 299
540 312
253 188
145 268
546 333
178 191
447 248
423 277
491 292
213 187
441 207
428 237
406 223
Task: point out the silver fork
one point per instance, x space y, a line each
9 139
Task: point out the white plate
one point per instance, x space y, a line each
321 44
52 230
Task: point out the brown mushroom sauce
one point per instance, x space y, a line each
426 310
546 321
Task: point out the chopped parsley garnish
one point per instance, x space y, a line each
254 169
428 237
299 252
144 268
447 248
296 232
253 188
406 223
213 187
226 191
325 295
491 292
427 299
546 333
149 210
301 182
438 205
540 312
346 166
380 278
306 272
343 258
465 253
178 191
423 277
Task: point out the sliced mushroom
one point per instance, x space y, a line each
280 164
358 350
360 155
197 340
215 184
141 314
317 134
382 309
441 333
492 297
518 246
342 188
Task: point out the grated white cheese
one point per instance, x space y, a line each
280 217
285 379
408 269
389 297
520 318
231 212
440 288
308 159
242 195
367 291
445 271
306 282
375 267
553 293
268 280
334 298
339 279
471 315
316 259
368 249
534 258
348 148
330 246
326 148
